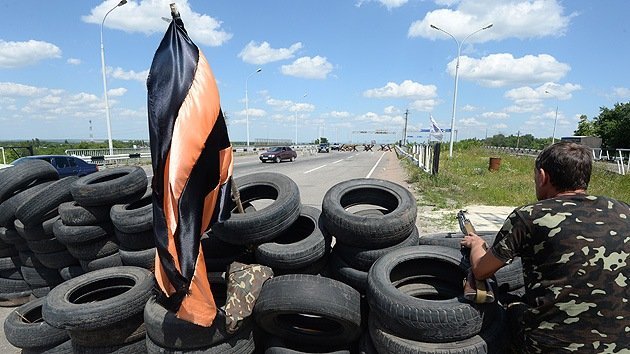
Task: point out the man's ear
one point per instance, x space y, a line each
544 177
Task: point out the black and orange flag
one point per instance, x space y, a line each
192 170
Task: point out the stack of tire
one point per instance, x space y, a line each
417 306
133 226
363 236
284 235
30 193
508 280
98 312
85 227
168 334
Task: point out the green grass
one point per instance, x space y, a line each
465 179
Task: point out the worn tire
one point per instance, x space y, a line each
286 306
25 328
362 258
262 225
300 245
99 248
347 274
70 272
35 209
99 298
134 217
56 260
22 175
490 340
37 232
181 334
135 241
143 259
9 206
369 231
111 186
219 254
242 342
275 345
111 261
73 214
426 320
72 235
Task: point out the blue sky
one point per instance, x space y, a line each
337 66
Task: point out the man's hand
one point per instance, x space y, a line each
473 240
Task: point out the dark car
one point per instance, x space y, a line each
65 165
323 147
278 154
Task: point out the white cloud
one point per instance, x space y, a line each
338 114
622 93
391 110
500 126
469 108
263 53
382 119
495 115
119 73
279 104
302 107
73 61
470 122
511 18
407 89
117 92
253 112
524 108
503 69
531 96
390 4
145 16
20 54
308 68
14 89
424 105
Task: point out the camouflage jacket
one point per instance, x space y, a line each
575 264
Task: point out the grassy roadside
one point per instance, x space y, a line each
465 179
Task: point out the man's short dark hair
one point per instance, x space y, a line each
568 165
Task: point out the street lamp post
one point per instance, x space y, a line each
247 103
459 50
555 122
109 126
296 125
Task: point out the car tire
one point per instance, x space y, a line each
23 175
111 186
369 231
284 299
9 206
134 217
97 299
277 160
262 225
24 328
72 214
425 320
35 209
301 244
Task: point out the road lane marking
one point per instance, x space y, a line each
373 168
316 168
337 161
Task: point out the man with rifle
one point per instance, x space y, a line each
574 249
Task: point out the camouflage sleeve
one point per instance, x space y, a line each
507 243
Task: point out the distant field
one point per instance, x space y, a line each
465 179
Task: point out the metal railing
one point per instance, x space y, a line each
425 156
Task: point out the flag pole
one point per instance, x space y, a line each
236 197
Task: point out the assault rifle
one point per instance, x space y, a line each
477 291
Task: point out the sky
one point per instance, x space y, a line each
348 70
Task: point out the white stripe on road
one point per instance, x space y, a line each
316 168
373 168
337 161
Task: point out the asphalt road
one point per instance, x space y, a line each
314 174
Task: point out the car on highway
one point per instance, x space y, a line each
335 146
278 153
323 147
65 165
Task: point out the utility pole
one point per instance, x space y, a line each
518 138
405 131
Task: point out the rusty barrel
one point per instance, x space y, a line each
494 164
